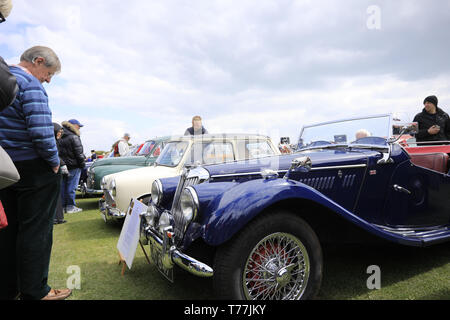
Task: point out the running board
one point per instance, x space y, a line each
419 236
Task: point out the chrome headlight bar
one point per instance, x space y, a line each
103 183
113 188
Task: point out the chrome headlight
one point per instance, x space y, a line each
103 183
113 188
157 192
189 203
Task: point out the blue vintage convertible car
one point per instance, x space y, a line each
257 227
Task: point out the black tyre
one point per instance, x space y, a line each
275 257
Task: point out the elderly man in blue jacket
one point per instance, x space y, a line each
26 134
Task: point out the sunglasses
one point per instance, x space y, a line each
2 18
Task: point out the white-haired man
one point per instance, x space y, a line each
26 134
362 133
121 147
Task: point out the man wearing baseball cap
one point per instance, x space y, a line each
71 152
434 123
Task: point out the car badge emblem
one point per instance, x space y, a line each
372 172
340 174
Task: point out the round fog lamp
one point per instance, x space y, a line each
164 221
151 215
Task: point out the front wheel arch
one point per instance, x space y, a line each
232 259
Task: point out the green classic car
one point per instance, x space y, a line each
100 168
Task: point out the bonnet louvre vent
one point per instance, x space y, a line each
323 183
348 180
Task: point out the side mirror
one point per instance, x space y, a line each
302 164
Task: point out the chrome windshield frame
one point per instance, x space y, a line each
388 115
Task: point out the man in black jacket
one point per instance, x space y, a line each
71 152
434 123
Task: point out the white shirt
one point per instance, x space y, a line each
124 148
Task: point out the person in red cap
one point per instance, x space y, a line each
433 122
71 152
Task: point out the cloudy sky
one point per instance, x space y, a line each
257 66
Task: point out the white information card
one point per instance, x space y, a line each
129 236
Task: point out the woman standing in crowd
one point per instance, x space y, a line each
59 217
71 152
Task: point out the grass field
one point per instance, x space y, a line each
87 242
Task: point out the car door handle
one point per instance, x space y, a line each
401 189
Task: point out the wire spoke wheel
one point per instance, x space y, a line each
277 268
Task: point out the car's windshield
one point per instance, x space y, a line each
369 130
210 152
255 148
146 148
172 153
157 149
133 151
199 153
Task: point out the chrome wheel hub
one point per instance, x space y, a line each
276 269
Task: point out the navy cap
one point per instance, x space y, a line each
75 121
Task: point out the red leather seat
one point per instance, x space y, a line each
434 161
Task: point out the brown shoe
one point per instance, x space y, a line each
57 294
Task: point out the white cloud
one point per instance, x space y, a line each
146 67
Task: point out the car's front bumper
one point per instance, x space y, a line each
93 191
108 211
170 255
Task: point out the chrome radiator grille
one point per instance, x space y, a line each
179 220
90 180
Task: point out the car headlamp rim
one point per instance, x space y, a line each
157 192
189 212
113 188
194 196
103 183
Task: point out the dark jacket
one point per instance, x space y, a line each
70 147
8 86
427 120
190 131
56 129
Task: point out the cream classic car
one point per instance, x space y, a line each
119 188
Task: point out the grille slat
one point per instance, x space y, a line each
90 180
